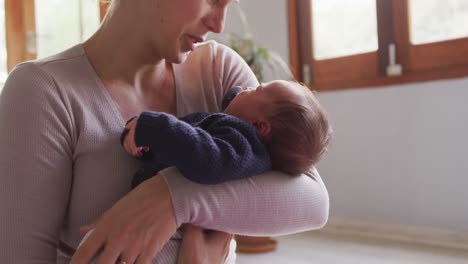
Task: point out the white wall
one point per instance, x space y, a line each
268 21
400 153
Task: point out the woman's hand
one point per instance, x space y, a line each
135 229
199 246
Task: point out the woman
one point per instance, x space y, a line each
62 117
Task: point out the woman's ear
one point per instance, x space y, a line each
263 129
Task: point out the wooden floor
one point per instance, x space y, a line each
313 247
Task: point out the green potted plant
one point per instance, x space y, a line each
261 60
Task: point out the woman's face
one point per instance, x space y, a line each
174 26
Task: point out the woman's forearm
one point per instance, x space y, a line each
269 204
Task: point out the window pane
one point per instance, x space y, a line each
438 20
90 17
59 26
343 27
3 53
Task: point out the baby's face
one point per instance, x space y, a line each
255 103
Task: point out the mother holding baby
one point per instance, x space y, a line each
62 117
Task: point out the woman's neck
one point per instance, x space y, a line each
118 53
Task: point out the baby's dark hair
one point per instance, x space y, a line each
300 133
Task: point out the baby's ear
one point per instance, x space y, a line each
263 129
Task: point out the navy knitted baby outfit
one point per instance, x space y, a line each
207 148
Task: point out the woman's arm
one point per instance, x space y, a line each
35 166
142 222
264 205
267 204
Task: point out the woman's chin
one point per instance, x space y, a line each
181 57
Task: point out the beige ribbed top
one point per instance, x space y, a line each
61 163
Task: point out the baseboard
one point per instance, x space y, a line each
404 233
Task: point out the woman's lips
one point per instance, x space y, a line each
193 40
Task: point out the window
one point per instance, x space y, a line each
441 41
354 33
62 24
337 44
3 52
434 21
39 28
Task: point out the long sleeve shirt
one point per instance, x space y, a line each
61 164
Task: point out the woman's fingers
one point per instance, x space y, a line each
192 248
130 256
110 254
136 227
133 251
89 249
153 243
85 229
218 237
199 246
150 251
222 239
195 232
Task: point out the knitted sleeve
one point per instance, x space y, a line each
219 148
35 178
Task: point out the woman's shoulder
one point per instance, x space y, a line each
66 62
63 77
57 70
27 77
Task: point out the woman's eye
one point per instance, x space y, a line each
214 2
222 2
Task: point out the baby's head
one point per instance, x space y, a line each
289 121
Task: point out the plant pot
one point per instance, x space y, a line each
248 244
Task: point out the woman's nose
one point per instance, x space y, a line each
215 20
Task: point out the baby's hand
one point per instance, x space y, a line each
129 140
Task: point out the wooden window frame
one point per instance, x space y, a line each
20 30
433 61
20 26
103 6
